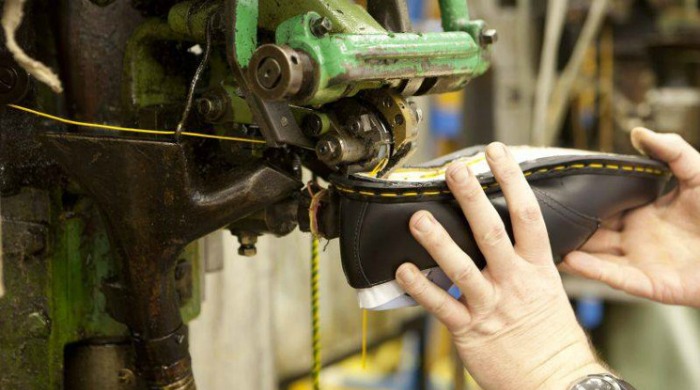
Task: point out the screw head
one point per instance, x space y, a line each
488 37
312 125
321 27
328 149
269 73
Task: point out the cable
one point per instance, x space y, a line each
131 129
195 81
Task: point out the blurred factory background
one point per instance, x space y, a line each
576 73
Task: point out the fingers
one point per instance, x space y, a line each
604 241
456 264
672 149
611 270
531 239
434 299
486 225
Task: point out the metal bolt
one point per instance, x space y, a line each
269 73
312 125
328 149
488 37
321 27
247 247
8 79
355 125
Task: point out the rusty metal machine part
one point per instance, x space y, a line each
279 72
107 365
168 208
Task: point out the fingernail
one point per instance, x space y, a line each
638 132
424 223
405 274
459 173
496 150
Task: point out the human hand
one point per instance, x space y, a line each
513 327
653 251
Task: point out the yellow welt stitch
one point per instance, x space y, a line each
639 169
367 193
627 168
559 168
612 166
388 194
542 170
446 192
431 193
648 170
595 165
484 187
577 166
528 173
658 171
410 194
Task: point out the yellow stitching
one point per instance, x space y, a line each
528 173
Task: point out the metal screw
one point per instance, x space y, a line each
328 149
247 247
321 27
269 73
8 79
488 37
312 125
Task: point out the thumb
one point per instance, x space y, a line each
672 149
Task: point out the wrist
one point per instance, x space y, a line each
568 366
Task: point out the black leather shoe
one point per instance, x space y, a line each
576 190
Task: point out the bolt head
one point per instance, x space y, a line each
247 250
321 27
328 149
488 37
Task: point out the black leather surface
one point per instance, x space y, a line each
375 238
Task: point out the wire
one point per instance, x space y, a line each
195 81
131 129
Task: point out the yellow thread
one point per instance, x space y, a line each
131 129
364 338
528 173
315 317
379 167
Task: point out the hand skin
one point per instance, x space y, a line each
513 327
653 251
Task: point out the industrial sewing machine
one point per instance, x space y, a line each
100 268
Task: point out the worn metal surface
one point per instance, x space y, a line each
348 63
154 205
105 366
